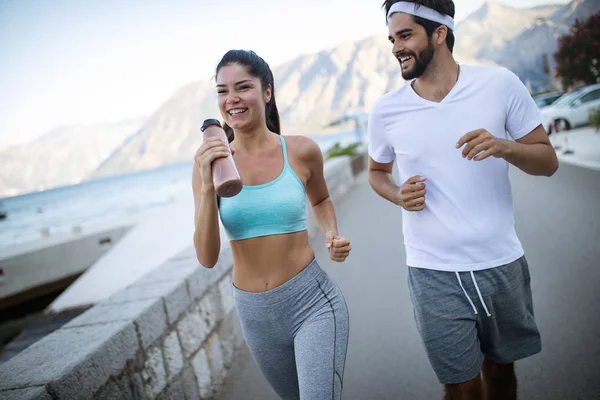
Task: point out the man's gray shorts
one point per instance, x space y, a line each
456 338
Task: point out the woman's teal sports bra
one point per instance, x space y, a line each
273 208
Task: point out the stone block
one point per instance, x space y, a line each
196 325
224 264
192 331
154 374
203 375
215 358
177 302
111 391
30 393
149 317
200 282
73 363
173 391
231 337
175 294
137 386
125 385
204 278
226 294
173 354
189 253
190 383
170 271
149 290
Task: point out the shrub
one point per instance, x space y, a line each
337 150
578 55
595 118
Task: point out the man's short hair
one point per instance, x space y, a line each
444 7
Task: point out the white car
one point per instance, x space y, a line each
571 109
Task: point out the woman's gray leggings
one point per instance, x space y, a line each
298 334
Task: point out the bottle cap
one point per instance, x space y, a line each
208 122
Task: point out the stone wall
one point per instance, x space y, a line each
173 334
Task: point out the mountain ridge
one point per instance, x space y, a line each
315 88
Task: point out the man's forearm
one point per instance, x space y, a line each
533 159
383 184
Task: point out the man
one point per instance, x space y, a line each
449 130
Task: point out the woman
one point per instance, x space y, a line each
293 316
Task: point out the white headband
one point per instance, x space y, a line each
421 11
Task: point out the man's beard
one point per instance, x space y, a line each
421 62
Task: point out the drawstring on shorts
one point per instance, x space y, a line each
478 292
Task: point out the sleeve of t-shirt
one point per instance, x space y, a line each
522 114
380 149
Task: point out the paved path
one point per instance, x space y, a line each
579 147
558 221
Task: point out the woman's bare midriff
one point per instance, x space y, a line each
263 263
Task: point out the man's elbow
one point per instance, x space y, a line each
553 167
374 175
371 174
552 170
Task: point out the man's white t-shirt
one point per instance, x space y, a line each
468 222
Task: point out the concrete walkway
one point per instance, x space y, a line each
579 147
558 221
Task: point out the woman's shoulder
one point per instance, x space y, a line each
302 147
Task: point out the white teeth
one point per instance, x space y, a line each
237 111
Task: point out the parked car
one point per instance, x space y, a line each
571 109
545 99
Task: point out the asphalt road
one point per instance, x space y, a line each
558 222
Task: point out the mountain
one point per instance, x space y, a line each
523 53
311 91
486 31
576 9
170 134
63 156
314 89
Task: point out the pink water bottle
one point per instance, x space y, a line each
226 178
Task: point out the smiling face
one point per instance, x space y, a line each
411 45
241 98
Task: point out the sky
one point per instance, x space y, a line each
66 62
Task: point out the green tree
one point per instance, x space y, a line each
578 55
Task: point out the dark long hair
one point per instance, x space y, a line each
258 68
444 7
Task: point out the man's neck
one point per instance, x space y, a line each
439 79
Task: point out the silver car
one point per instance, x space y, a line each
571 110
545 99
